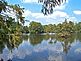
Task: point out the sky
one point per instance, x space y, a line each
71 9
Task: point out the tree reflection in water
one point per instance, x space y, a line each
25 46
7 44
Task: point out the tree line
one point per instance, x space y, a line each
10 26
64 27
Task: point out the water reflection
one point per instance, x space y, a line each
42 48
35 39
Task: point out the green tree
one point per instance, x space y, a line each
78 27
68 26
25 29
7 22
35 27
49 28
58 28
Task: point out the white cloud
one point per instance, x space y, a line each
55 18
78 12
73 19
61 7
26 13
78 50
55 14
29 1
60 14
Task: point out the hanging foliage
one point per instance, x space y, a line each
48 5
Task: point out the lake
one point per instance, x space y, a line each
44 47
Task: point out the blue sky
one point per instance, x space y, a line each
71 10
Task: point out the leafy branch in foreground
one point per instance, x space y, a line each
48 5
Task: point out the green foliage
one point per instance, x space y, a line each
49 28
19 11
69 27
35 27
25 29
65 28
8 25
10 30
78 27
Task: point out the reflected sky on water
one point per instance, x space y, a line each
44 48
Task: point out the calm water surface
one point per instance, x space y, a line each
42 48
